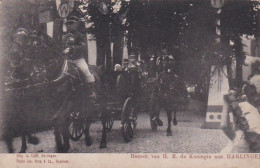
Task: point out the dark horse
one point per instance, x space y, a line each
42 89
168 92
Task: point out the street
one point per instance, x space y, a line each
188 137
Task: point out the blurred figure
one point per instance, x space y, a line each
255 81
236 142
255 76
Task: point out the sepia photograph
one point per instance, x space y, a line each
136 77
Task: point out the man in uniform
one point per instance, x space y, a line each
76 50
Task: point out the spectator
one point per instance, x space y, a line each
255 79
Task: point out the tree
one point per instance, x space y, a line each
241 21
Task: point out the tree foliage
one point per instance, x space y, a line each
186 28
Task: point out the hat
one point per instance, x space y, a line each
20 35
22 32
72 19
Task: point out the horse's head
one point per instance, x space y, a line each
165 63
20 36
26 43
36 43
19 41
41 46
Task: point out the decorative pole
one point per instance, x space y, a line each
219 80
258 28
218 31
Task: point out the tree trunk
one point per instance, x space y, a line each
206 88
240 55
118 49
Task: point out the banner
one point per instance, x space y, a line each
64 7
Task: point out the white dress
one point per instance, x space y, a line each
252 117
238 145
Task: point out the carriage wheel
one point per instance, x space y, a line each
109 123
76 127
128 120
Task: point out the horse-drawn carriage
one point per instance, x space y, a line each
124 96
44 86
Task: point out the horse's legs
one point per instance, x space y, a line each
32 139
88 139
9 143
174 116
61 132
154 111
65 135
24 146
104 117
158 111
154 108
57 134
103 143
169 116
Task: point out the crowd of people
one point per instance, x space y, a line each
244 105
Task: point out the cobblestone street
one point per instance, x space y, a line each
188 137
